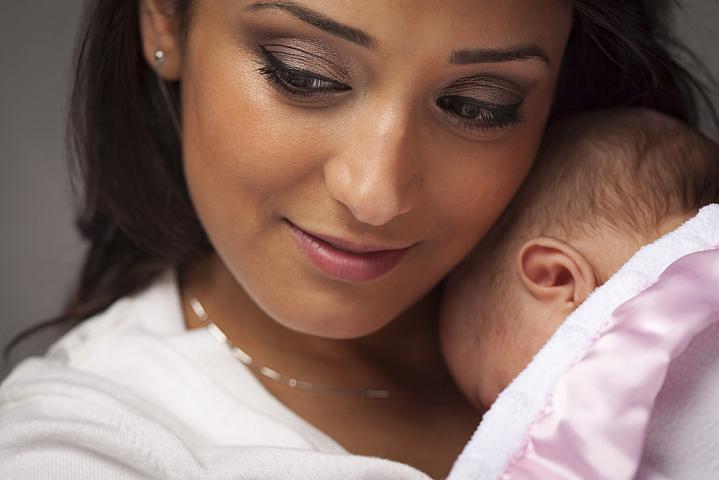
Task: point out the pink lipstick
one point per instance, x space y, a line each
346 260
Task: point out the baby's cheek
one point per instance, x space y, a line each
461 350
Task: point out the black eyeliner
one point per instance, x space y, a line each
491 116
278 66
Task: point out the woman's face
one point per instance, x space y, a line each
398 126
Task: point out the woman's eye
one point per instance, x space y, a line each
475 114
297 82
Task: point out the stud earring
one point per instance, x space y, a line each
159 58
167 97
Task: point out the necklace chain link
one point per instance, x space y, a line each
272 374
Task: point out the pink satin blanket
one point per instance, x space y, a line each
594 424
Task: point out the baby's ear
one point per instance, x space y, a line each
552 271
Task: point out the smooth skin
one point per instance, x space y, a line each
415 131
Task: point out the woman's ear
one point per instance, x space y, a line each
555 273
160 31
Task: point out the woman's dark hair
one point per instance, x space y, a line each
135 211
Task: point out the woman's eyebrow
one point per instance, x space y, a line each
364 39
320 21
499 55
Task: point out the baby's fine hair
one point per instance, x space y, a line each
627 170
624 169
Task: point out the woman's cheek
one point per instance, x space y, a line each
510 160
474 186
241 150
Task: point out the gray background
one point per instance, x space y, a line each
40 252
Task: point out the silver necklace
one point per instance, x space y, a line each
292 382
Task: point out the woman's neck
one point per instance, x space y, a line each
425 428
403 354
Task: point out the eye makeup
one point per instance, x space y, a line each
309 56
489 88
312 72
301 69
482 102
296 83
471 115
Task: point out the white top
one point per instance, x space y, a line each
131 393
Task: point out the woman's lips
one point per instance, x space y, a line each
345 260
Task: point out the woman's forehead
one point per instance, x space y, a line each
403 26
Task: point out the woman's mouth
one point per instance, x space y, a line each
346 260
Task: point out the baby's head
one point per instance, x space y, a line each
605 184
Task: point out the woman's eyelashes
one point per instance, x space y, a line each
297 82
482 102
475 103
473 114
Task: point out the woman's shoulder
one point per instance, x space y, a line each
132 387
62 423
152 311
75 403
53 415
134 359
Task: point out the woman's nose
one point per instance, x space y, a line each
376 173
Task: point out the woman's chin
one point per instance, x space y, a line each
329 319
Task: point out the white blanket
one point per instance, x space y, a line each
682 434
